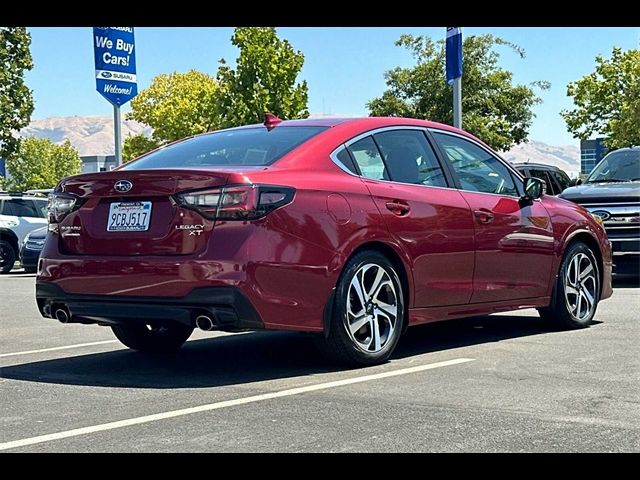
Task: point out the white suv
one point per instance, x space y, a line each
19 216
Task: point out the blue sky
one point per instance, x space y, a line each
344 66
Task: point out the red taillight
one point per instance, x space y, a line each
238 202
60 205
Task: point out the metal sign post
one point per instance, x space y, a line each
115 62
457 102
453 56
117 134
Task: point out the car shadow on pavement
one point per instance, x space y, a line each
254 357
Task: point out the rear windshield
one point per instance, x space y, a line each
243 146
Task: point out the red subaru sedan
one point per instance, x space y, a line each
353 229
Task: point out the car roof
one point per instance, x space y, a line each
10 196
635 147
363 124
370 122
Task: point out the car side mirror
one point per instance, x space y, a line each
575 181
533 188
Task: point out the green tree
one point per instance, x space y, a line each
493 107
608 100
175 105
16 101
264 79
136 145
40 163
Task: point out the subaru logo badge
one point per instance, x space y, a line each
604 216
106 74
123 186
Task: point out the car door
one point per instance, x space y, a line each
431 220
513 238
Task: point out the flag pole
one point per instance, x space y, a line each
457 102
453 54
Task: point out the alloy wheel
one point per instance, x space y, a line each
372 308
580 286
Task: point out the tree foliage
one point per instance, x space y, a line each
493 107
264 79
16 101
40 163
136 145
179 105
608 100
175 105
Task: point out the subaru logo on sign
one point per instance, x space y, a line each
123 186
106 74
602 214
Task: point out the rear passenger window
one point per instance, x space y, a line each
409 158
366 154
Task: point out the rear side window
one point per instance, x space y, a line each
409 158
366 154
242 146
345 159
22 208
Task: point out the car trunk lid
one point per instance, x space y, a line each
128 213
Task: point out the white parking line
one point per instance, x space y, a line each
225 404
53 349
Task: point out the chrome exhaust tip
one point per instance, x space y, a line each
205 322
62 315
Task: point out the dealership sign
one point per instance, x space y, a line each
115 58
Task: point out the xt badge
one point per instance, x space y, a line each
194 230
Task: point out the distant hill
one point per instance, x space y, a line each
566 157
94 136
90 135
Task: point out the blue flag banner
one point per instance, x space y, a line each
454 53
115 59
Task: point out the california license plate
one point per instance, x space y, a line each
129 217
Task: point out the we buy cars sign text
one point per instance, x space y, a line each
115 59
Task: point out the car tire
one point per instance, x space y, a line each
368 312
577 290
162 338
30 269
7 256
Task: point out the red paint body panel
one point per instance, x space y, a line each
288 263
437 234
514 252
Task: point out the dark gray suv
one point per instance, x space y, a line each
612 192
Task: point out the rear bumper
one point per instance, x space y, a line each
228 306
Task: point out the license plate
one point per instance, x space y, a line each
129 217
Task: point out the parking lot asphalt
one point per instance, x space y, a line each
501 383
